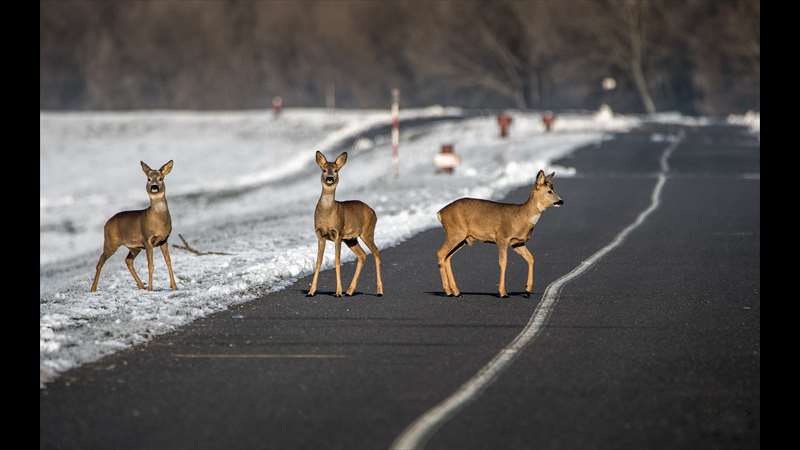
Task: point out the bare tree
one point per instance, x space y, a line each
680 54
619 31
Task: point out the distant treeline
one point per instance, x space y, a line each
695 56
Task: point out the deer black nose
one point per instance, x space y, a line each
559 203
329 179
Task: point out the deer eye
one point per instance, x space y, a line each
550 192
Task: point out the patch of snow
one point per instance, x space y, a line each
676 118
750 119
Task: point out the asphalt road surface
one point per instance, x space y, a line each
656 345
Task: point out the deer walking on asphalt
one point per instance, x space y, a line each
467 220
141 229
343 222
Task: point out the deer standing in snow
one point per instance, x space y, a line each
141 229
343 222
467 220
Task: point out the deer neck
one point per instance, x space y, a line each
532 208
158 205
327 200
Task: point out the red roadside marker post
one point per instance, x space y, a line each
446 160
504 121
548 120
277 106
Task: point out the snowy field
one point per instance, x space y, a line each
246 184
750 119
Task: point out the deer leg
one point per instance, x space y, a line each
320 253
451 279
129 262
103 257
338 249
526 254
165 251
362 256
444 251
369 239
502 250
148 248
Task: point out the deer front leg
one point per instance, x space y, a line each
148 248
165 251
338 247
502 249
98 268
320 253
528 257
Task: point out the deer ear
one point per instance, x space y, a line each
540 178
145 168
166 168
321 161
340 160
550 177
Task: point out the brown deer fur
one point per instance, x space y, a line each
467 220
343 222
141 229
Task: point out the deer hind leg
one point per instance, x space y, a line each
107 252
502 252
362 256
165 251
369 240
445 251
129 262
320 253
526 254
451 279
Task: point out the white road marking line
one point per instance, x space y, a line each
259 355
416 435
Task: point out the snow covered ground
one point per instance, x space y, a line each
750 119
246 184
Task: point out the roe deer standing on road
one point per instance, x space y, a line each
145 228
467 220
343 221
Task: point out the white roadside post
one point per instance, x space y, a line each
395 131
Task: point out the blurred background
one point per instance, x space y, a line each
240 95
691 56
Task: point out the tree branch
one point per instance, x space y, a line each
189 248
